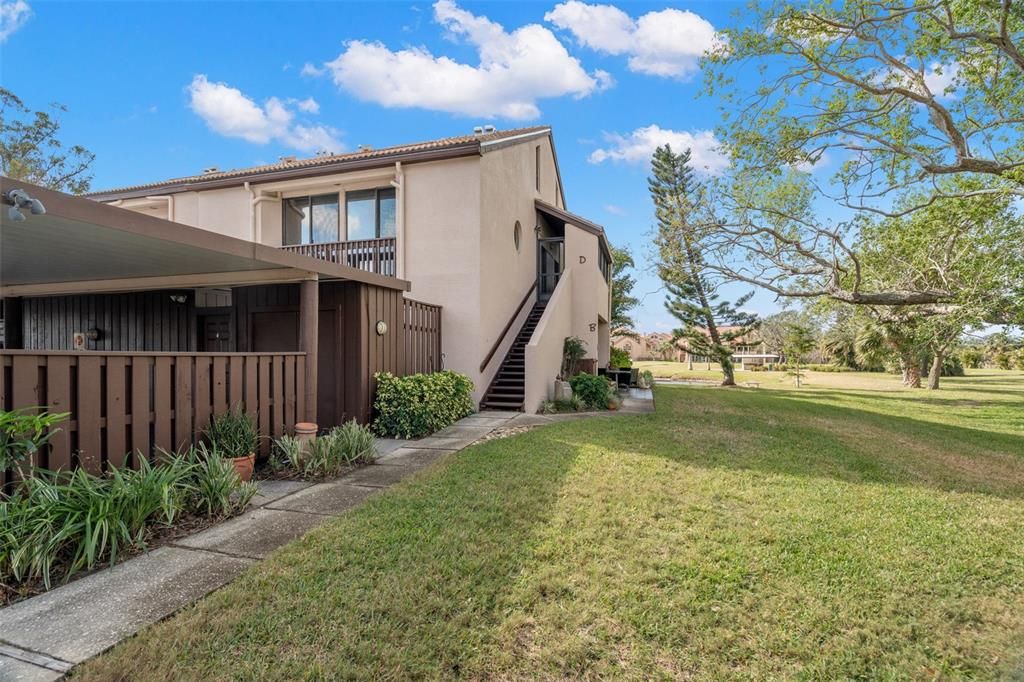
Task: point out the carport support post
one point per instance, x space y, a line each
309 334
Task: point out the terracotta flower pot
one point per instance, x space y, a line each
244 466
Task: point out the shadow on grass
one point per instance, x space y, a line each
788 432
405 587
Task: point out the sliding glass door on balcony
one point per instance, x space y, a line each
365 239
311 220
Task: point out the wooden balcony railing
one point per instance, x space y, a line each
372 255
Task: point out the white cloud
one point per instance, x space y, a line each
312 70
13 15
308 105
941 77
614 210
231 113
666 43
515 70
639 145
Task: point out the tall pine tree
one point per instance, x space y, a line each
708 326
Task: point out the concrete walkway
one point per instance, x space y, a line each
42 638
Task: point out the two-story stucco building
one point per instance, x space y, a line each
476 225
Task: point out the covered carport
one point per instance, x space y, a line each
100 303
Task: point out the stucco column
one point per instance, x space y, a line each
309 336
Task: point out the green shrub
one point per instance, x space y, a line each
76 520
573 404
418 405
354 442
593 391
327 454
619 358
23 433
952 367
216 486
573 350
646 379
233 434
73 521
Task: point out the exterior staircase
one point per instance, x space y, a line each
508 387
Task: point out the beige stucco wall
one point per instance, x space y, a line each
442 254
508 192
590 292
544 351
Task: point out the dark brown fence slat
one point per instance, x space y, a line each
142 388
263 400
300 389
236 397
183 400
163 382
289 392
117 448
90 452
220 384
251 384
58 399
422 328
277 385
203 387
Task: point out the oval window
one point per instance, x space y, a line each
517 234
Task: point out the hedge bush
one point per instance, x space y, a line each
594 391
420 404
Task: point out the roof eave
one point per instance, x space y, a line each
420 156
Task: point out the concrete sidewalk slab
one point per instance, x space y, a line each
380 476
413 457
325 498
275 490
20 671
460 430
254 534
386 445
83 618
445 443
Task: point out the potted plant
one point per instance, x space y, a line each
233 436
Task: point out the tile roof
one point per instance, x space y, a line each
328 160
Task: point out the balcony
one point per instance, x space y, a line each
372 255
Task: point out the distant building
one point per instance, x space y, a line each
748 350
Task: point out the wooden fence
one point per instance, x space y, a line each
422 323
124 403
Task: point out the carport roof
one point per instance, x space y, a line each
78 241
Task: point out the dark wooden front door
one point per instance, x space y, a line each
278 332
215 333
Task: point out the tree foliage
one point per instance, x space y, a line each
623 301
31 151
708 326
913 106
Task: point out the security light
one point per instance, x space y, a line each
19 199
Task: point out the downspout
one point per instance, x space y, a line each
399 184
252 212
169 198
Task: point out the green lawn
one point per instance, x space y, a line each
828 532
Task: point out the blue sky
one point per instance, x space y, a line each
161 89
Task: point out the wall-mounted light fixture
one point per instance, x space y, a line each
382 327
93 334
18 200
179 298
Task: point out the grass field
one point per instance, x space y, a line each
850 529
